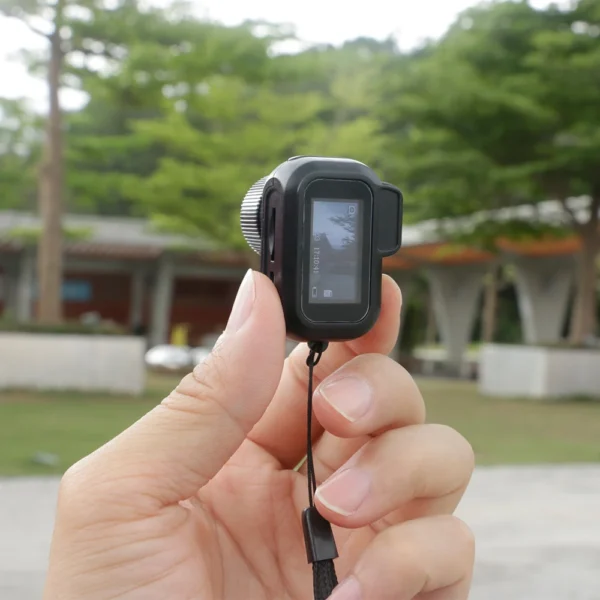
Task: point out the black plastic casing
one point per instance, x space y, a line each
285 230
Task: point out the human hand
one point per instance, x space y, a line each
199 500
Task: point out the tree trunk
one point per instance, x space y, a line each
430 323
490 303
50 248
584 323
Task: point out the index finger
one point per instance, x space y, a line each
282 429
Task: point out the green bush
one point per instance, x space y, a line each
69 327
31 235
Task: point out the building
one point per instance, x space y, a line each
147 281
126 272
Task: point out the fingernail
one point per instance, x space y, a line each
352 397
242 307
346 491
349 589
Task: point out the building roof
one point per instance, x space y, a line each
135 238
121 231
550 212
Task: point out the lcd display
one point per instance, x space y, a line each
335 251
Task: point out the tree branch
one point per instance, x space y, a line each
21 16
595 209
87 52
36 30
573 217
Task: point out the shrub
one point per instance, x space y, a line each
68 327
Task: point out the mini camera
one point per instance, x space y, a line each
322 227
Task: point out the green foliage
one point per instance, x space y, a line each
66 328
210 165
183 114
19 150
505 110
216 135
167 64
31 235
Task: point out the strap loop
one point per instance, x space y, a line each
318 535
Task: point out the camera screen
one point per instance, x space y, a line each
335 251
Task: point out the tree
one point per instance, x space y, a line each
84 36
217 145
19 149
51 177
347 78
222 129
505 111
165 64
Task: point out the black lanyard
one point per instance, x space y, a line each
318 535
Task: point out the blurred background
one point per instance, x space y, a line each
129 133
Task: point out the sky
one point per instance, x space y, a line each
315 21
323 214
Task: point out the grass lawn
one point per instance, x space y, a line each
72 425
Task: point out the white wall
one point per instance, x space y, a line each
72 362
537 372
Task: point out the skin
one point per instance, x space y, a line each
199 500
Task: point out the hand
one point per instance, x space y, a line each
199 500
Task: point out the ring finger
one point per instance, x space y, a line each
403 474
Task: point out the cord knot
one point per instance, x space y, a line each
316 350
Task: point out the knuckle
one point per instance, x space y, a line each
464 536
418 404
386 373
210 376
69 484
74 488
404 544
370 364
200 393
461 447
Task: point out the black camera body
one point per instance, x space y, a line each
322 227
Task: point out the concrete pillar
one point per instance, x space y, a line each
24 288
9 290
405 280
162 296
455 291
543 287
138 292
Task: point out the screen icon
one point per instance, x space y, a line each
315 292
352 210
328 294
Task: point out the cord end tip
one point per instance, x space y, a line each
318 536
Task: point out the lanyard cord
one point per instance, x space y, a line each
318 536
312 361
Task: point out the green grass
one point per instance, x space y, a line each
501 432
516 431
69 425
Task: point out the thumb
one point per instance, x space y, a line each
181 444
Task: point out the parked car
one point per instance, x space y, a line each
167 357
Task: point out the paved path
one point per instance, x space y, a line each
537 530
